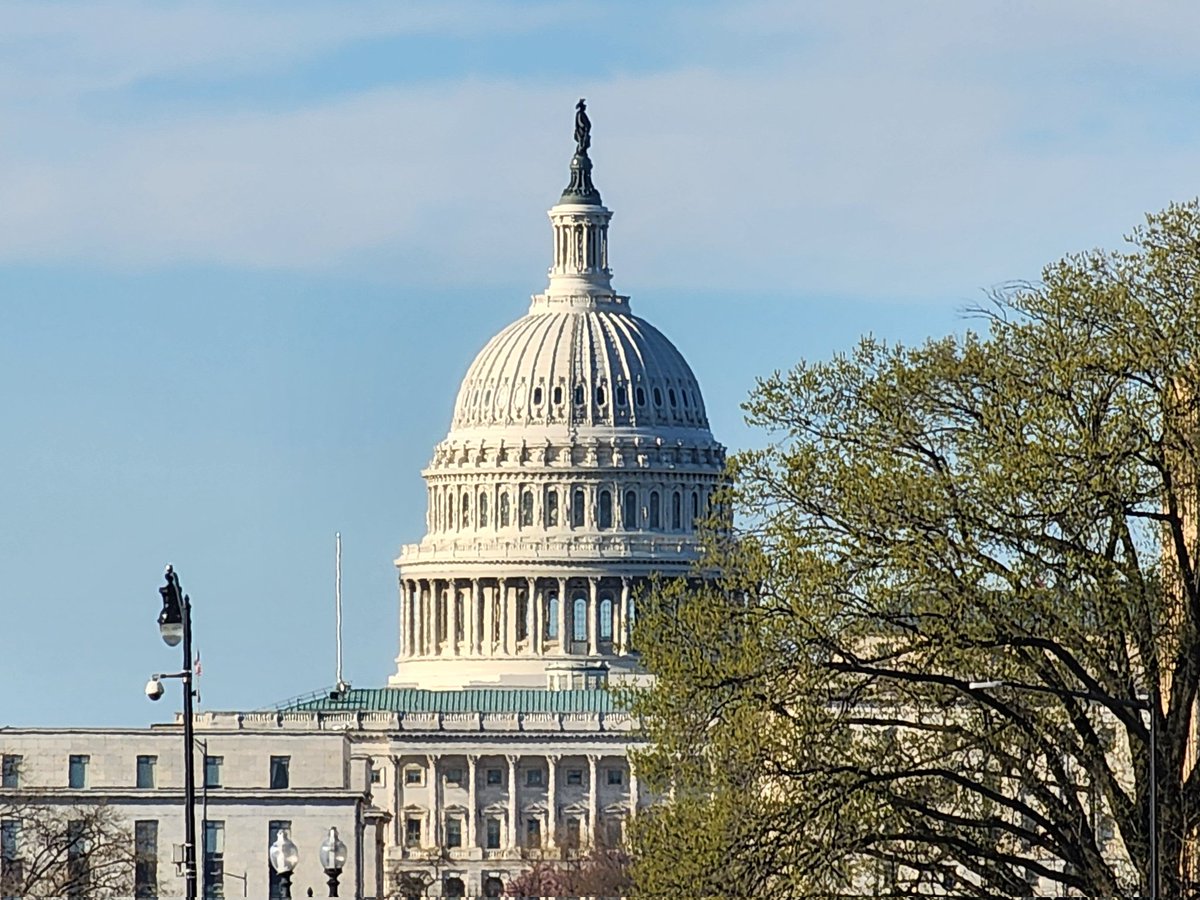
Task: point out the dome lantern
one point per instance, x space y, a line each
580 275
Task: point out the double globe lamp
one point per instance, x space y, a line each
284 855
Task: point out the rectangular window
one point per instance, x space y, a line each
616 776
412 831
145 859
274 882
10 771
279 772
79 876
214 860
145 771
454 832
414 775
77 768
493 834
533 834
377 775
612 831
495 776
454 775
574 776
11 872
533 778
212 771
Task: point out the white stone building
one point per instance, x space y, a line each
578 462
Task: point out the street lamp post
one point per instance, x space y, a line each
283 857
333 860
175 625
1146 705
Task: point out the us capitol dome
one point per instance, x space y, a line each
578 463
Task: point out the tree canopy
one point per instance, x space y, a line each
1017 504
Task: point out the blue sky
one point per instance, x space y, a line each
247 251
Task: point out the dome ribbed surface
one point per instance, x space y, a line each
581 368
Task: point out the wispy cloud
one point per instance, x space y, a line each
869 147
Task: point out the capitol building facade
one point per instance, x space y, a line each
578 463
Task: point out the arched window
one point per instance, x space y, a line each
483 509
552 617
580 394
526 509
695 509
437 510
505 512
579 619
577 508
676 511
551 508
655 510
466 510
606 618
452 519
629 515
454 888
522 616
604 512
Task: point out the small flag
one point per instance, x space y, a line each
197 670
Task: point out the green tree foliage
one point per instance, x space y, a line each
1018 504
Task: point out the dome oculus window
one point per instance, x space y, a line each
619 394
558 395
580 394
671 397
657 397
640 396
683 396
537 396
600 397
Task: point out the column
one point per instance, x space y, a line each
532 616
623 632
472 812
435 801
398 811
593 804
551 800
510 613
502 607
403 618
452 616
512 802
634 790
564 640
593 647
473 620
489 620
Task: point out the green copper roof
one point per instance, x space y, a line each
485 700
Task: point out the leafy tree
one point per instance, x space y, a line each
1019 504
54 851
603 873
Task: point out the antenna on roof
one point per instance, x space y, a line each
341 684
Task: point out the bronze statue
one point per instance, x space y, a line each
583 128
